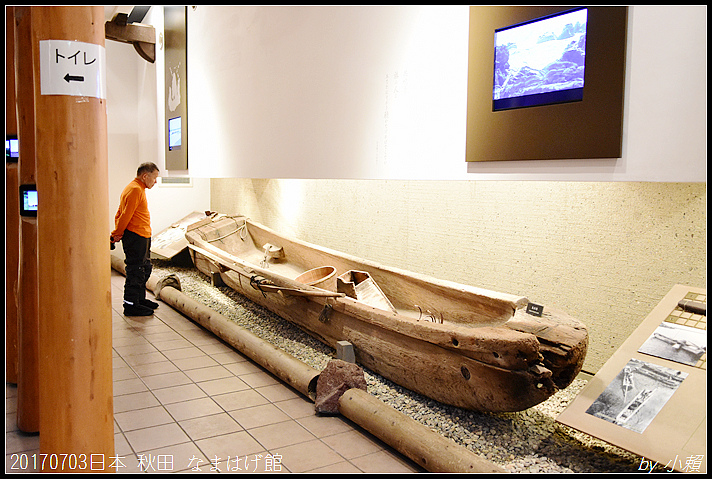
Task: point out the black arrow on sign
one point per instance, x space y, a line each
69 78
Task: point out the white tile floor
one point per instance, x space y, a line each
185 401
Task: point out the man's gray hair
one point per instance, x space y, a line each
147 167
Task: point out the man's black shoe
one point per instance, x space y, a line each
137 310
148 303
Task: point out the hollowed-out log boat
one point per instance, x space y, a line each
460 345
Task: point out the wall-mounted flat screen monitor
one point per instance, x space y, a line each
174 133
12 148
28 200
540 62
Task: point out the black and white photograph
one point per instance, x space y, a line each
676 342
636 395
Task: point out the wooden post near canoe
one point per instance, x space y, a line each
28 409
12 208
76 395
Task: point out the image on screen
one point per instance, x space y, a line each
540 62
12 148
174 133
29 200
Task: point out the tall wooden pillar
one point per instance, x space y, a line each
76 397
12 208
28 410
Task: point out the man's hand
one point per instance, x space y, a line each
114 239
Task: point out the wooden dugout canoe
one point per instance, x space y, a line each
460 345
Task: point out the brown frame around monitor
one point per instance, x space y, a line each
591 128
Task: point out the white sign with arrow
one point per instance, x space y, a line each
72 68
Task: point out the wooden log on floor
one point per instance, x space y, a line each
286 367
427 448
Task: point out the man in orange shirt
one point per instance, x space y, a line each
133 229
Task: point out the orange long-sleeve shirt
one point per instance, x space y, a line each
133 212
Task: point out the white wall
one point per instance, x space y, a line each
133 138
380 92
121 109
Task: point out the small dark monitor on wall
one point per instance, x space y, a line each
12 149
541 61
174 133
28 200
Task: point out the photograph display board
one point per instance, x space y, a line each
650 397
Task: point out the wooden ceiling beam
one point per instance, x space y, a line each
142 37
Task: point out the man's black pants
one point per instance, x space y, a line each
138 266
